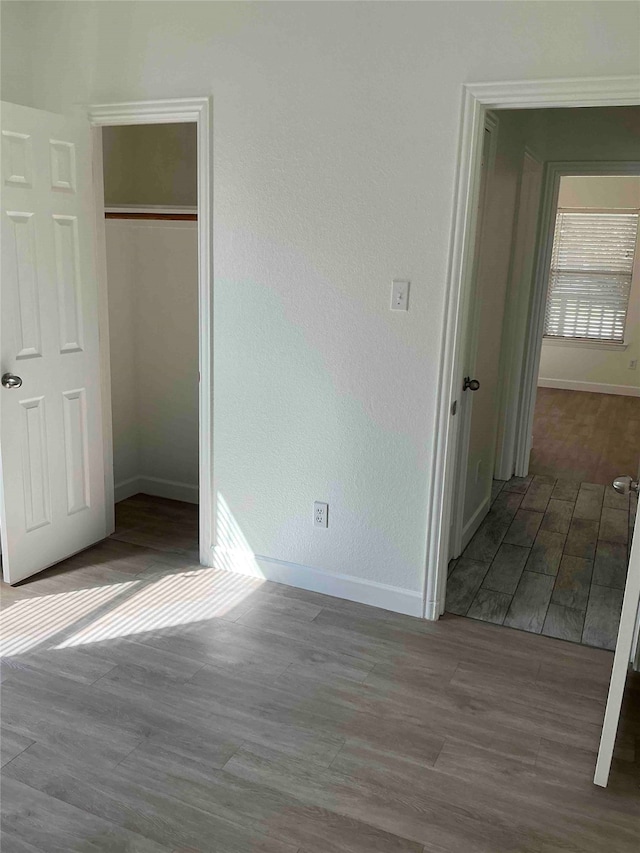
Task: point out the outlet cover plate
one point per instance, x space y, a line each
399 295
320 514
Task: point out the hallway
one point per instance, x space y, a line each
585 437
550 557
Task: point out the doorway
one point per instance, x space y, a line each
551 553
172 459
151 239
524 354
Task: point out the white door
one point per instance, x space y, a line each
52 500
473 480
621 660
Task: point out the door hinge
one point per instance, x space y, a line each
454 407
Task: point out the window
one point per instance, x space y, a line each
590 279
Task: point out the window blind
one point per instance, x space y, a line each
590 278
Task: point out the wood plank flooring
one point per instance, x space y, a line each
153 706
585 437
551 557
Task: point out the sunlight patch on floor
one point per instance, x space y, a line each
176 599
30 622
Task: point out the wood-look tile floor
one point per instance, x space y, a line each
153 706
586 437
551 557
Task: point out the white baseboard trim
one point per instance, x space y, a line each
351 588
126 489
593 387
475 521
157 487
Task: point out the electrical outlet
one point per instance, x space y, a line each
320 514
633 364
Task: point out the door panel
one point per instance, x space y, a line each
51 451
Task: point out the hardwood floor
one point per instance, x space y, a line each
551 557
586 437
155 706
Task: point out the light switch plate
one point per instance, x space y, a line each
399 295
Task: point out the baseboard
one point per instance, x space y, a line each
126 489
475 521
340 586
158 488
593 387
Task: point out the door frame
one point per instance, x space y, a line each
477 98
171 111
553 172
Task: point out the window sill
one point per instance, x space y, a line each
583 344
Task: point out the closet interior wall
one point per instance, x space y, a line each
152 272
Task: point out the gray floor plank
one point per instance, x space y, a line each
614 525
164 819
610 566
518 484
11 744
573 582
505 506
490 606
557 517
55 826
546 553
589 502
565 623
524 528
538 494
506 569
529 606
581 538
487 538
463 584
614 500
603 616
566 490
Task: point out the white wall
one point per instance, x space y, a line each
121 272
153 321
589 368
335 142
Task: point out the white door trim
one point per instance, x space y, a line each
553 172
476 99
199 111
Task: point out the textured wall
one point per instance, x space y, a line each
335 140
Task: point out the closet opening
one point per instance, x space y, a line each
150 174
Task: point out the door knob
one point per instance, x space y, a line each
470 384
10 380
624 485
